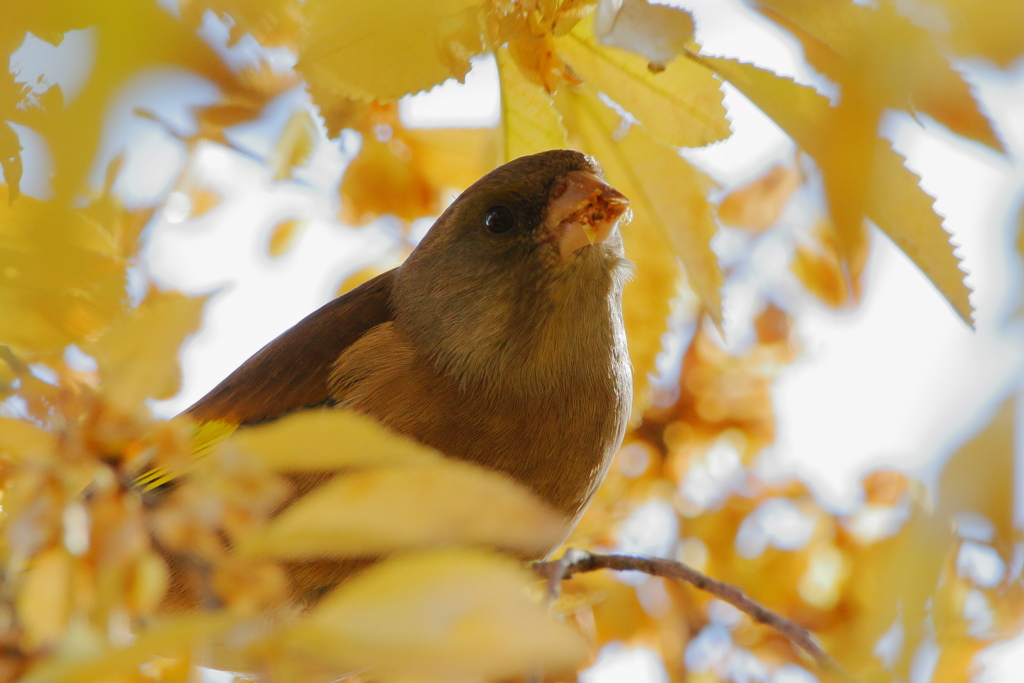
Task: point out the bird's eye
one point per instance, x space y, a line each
498 219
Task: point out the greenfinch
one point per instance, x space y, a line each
498 341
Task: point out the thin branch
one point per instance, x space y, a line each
578 561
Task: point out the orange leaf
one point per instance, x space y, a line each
821 274
383 179
284 236
757 205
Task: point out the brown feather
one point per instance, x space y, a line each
291 372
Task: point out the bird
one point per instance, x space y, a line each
499 341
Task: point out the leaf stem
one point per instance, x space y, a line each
578 561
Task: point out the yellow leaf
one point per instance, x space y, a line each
979 477
338 111
283 236
681 105
138 356
295 145
833 33
897 204
539 63
20 440
389 509
384 179
319 440
676 194
10 160
453 157
201 201
442 616
990 28
157 38
44 600
272 22
645 300
657 32
368 50
61 276
173 638
530 122
897 582
956 661
148 583
757 205
821 274
895 201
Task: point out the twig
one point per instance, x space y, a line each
578 561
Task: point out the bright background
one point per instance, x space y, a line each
899 382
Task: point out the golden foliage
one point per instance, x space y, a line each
102 537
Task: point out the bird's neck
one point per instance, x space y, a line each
542 340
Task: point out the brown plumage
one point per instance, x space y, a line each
499 340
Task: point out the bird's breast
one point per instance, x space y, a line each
557 442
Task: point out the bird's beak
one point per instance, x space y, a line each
583 210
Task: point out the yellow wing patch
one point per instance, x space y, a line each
205 436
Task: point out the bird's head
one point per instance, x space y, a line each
522 266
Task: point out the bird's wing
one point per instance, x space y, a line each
288 374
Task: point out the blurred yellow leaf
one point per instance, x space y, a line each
131 36
201 201
10 160
904 212
897 582
61 275
833 32
821 275
337 111
149 582
979 477
820 270
323 440
138 356
895 201
372 51
990 28
530 122
645 300
757 205
295 146
388 509
283 236
403 171
454 615
172 638
20 439
453 157
681 105
657 32
44 601
956 663
383 179
272 22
